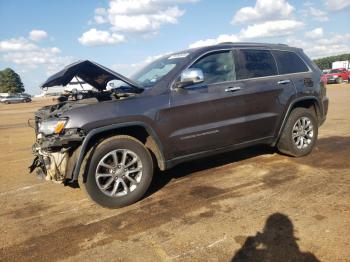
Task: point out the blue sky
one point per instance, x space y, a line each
38 38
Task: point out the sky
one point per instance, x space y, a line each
39 38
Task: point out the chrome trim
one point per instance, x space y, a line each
192 76
282 82
233 89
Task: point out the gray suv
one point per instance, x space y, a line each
183 106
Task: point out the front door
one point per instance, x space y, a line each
203 115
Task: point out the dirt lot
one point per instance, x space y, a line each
248 204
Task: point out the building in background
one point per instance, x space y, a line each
341 64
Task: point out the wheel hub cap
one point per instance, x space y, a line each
303 132
118 173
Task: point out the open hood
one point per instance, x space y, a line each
92 73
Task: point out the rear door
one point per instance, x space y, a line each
292 68
265 92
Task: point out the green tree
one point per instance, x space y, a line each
326 62
10 82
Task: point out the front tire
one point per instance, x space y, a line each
299 134
119 173
339 80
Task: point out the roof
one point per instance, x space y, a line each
238 44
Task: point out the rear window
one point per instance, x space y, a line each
337 71
289 62
254 63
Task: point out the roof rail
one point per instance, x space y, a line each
249 43
225 43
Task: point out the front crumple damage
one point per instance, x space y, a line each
54 153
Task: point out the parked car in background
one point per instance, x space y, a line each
337 76
15 99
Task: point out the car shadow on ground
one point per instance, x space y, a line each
161 179
275 243
320 157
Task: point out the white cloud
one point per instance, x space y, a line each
214 41
317 14
17 44
100 15
48 57
264 10
37 35
271 29
337 5
145 22
23 52
144 17
263 30
140 15
309 11
334 44
95 37
316 33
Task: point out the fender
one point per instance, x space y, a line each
99 130
304 98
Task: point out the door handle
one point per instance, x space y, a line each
283 82
233 89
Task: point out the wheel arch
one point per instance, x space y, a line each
305 102
139 130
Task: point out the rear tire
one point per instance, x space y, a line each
111 177
300 133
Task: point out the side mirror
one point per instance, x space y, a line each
191 76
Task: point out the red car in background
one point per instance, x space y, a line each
337 76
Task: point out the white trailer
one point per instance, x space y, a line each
341 64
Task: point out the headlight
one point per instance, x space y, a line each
52 126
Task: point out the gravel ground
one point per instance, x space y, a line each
247 205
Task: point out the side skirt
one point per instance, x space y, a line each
175 161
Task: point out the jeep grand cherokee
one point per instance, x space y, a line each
183 106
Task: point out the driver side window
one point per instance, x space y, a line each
217 67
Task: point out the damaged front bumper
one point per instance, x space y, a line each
55 155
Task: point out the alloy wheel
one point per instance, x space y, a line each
118 173
303 132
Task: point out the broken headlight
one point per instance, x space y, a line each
52 126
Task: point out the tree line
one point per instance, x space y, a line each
10 82
326 62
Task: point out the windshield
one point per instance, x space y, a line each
153 72
335 71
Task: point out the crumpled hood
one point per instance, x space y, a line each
92 73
